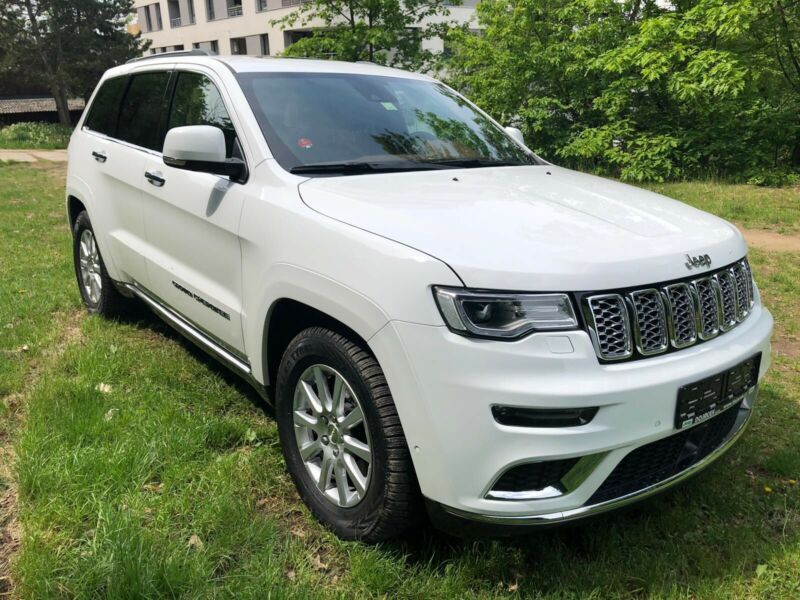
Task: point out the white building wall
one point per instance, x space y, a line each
252 22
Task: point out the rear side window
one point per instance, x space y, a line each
197 101
142 110
103 113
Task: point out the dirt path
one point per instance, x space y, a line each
764 239
29 156
66 332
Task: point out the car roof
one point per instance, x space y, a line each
267 64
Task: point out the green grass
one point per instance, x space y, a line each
171 483
754 207
34 136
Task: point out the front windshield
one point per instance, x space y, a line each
327 119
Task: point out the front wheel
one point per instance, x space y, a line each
342 439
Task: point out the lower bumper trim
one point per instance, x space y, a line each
545 519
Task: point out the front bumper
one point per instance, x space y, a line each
444 386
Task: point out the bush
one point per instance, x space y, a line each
35 136
773 178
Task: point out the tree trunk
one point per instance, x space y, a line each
62 103
54 79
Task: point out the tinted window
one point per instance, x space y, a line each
313 118
197 102
142 109
102 115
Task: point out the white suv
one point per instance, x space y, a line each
435 312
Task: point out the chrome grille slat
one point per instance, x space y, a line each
649 321
682 315
709 309
727 290
751 293
742 293
612 333
655 319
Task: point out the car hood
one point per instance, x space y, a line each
537 228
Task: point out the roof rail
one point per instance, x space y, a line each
193 52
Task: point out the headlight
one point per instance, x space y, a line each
503 315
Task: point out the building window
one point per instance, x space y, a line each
210 10
196 45
261 5
264 37
148 20
178 48
234 8
157 8
238 46
215 46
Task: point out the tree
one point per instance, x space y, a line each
381 31
643 89
68 44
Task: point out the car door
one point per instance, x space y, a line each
192 221
111 171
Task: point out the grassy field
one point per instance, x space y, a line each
142 469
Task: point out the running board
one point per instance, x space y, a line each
190 331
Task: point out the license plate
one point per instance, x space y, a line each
701 400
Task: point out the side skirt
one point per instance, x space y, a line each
238 364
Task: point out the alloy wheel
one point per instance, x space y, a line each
89 257
332 435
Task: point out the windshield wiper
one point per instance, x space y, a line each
471 163
355 168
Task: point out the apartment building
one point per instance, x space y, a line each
234 26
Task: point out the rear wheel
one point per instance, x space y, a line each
97 289
342 439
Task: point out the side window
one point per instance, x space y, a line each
103 112
197 101
142 110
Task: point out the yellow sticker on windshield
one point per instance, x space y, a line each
389 105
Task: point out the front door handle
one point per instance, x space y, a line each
155 178
99 156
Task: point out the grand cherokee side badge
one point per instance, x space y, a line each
695 262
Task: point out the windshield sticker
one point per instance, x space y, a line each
305 143
389 105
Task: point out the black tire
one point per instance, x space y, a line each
109 302
391 502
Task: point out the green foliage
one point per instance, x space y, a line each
65 44
44 136
380 31
642 89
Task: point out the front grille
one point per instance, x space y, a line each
660 460
682 315
534 476
632 324
649 321
708 308
611 325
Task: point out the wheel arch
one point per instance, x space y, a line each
286 318
74 207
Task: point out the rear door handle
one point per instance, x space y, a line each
155 178
99 156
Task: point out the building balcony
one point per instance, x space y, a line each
181 22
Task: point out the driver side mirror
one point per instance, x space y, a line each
200 148
516 135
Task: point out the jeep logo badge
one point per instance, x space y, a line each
695 262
